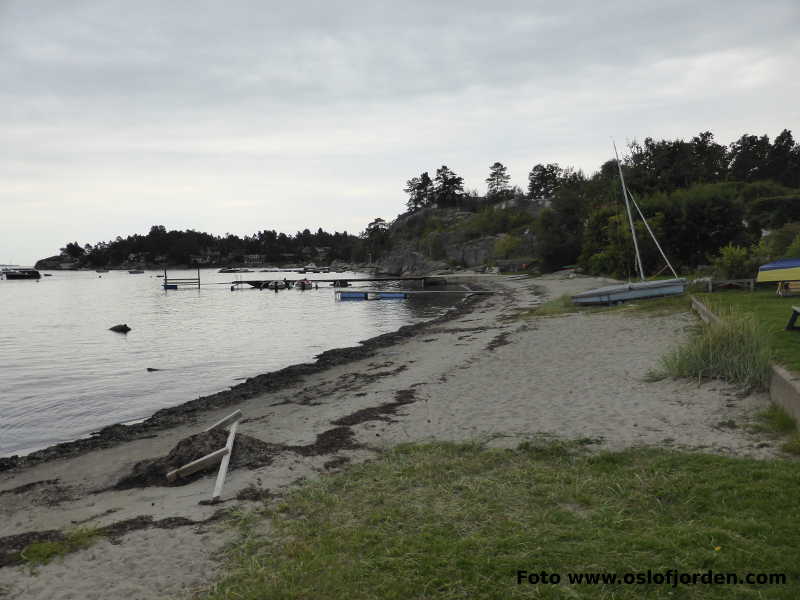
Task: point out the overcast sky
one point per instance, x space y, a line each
238 116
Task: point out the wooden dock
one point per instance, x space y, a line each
261 283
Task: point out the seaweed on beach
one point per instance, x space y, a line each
247 452
379 413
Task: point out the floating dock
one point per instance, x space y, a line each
359 295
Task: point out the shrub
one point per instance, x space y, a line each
733 262
506 246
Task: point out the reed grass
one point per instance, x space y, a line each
736 349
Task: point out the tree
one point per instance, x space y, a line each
749 157
420 191
710 158
783 160
497 182
543 181
73 249
376 238
448 187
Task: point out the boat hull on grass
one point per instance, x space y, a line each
613 294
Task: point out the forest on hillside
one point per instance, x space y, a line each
160 246
706 203
733 206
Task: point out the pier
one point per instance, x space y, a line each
259 283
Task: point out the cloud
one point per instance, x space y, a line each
253 115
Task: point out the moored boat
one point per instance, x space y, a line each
304 284
20 273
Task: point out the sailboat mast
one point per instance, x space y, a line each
653 235
630 216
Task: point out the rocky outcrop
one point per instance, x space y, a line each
56 263
405 261
474 253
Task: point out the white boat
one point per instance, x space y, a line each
613 294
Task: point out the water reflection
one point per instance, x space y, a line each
65 375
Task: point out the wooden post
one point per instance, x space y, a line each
196 465
198 276
223 467
234 416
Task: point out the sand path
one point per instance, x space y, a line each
484 375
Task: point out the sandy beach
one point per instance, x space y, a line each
484 374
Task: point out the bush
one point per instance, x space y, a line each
507 246
733 262
793 251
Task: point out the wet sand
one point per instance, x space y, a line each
481 374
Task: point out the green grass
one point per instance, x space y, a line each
447 521
41 553
557 306
776 420
792 445
771 311
653 307
735 350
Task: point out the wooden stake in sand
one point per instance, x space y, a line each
223 467
223 455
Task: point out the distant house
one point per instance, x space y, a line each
254 259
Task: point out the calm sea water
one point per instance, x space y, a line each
63 374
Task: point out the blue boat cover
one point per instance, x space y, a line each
784 263
786 269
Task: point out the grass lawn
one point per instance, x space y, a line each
772 312
459 521
564 305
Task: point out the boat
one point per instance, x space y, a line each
273 285
135 271
614 294
20 273
304 284
786 269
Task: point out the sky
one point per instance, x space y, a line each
246 115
